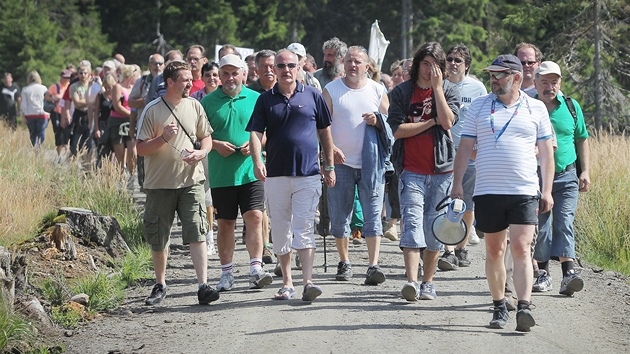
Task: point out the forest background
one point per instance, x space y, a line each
46 35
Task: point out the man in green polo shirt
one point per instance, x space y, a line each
232 181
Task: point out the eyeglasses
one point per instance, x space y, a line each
528 63
194 59
500 75
289 65
158 63
456 60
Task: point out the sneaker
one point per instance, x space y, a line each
500 317
391 234
543 282
524 320
374 276
473 238
259 279
267 256
510 303
571 284
344 271
226 283
356 237
206 294
411 291
448 261
157 295
210 243
427 291
278 269
462 257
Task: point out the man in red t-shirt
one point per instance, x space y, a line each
421 112
196 57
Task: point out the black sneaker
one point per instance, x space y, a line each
500 317
344 271
448 261
206 294
462 257
524 320
374 276
157 295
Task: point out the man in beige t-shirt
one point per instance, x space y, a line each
174 177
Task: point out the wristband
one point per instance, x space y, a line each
166 141
329 168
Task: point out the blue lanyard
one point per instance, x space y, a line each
492 110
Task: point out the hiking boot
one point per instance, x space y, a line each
411 291
344 271
374 276
267 256
278 269
356 237
226 283
543 282
427 291
157 295
524 320
571 284
206 294
448 261
473 238
500 317
462 257
259 279
391 234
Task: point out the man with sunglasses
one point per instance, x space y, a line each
530 56
458 62
295 118
507 125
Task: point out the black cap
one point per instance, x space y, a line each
505 62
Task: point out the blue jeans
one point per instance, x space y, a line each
341 199
37 129
556 237
419 195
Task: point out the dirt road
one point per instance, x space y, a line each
353 318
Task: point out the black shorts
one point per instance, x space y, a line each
117 131
494 212
227 200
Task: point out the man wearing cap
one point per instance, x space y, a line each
294 117
264 67
556 237
334 52
506 125
362 147
305 77
232 182
530 56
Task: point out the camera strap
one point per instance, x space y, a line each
178 122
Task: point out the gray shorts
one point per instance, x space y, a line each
159 213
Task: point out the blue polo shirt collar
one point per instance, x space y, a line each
276 91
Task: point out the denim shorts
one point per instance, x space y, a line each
341 198
419 195
159 213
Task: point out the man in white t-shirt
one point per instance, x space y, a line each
353 102
458 62
507 126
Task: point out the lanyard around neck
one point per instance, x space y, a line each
492 110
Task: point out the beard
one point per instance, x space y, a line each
503 89
332 71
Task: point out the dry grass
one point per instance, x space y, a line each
603 215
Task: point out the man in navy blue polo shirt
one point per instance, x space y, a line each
293 116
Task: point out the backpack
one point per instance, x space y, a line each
569 102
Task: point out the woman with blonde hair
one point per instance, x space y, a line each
117 132
32 107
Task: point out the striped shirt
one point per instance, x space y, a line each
506 158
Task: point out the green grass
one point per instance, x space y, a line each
105 293
14 330
136 265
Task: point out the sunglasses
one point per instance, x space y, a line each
289 65
500 75
456 60
528 63
158 63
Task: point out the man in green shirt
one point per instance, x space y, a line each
232 181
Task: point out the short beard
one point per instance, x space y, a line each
332 71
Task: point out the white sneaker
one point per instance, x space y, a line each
259 279
473 239
226 283
210 243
